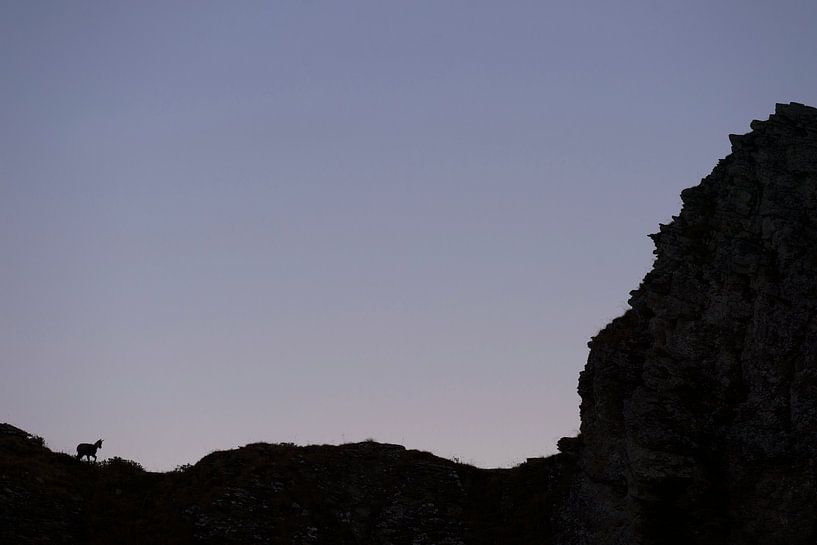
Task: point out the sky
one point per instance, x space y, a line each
317 221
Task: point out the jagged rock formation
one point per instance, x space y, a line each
699 405
699 416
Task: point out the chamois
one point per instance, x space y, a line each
87 449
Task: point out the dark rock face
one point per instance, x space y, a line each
699 405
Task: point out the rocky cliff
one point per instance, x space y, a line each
699 404
699 416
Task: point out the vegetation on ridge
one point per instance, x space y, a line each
364 492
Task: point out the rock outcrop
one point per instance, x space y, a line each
699 404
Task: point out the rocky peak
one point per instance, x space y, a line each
699 405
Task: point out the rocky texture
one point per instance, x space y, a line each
699 405
699 416
281 494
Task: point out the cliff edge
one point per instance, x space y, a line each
699 404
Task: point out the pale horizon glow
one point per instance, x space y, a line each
322 222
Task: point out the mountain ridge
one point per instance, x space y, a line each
364 492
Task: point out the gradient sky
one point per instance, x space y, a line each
323 221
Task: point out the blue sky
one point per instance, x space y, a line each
323 221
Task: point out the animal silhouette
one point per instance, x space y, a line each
88 450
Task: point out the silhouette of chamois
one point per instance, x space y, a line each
87 449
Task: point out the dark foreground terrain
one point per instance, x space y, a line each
262 493
699 416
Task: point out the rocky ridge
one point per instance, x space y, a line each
275 493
